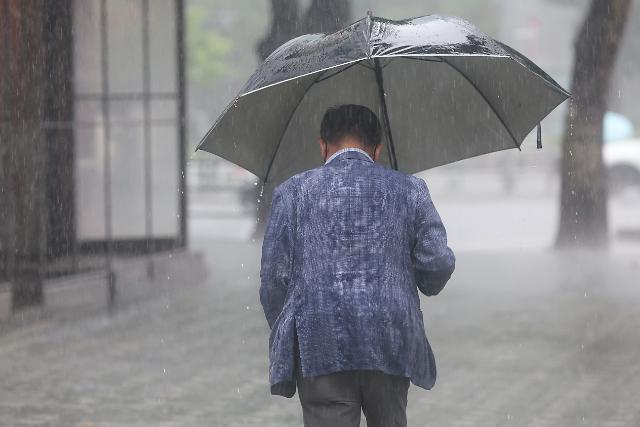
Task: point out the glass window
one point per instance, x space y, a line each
88 112
164 110
87 62
89 182
162 46
127 181
126 119
165 173
126 112
124 38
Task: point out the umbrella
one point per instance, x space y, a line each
444 91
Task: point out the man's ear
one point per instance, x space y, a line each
376 152
323 148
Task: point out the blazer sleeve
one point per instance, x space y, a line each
277 254
433 260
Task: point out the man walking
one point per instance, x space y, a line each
347 247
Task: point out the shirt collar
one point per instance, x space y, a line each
344 150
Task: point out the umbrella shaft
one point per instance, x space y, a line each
385 115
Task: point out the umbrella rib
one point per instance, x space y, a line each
322 77
286 127
319 79
385 115
477 89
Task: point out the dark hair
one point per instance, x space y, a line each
351 120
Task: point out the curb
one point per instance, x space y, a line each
86 293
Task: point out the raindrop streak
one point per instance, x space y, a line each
572 115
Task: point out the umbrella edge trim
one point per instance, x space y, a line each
299 77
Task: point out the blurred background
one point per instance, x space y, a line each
129 263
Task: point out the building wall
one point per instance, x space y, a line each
54 134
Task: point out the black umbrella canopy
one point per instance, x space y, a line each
444 90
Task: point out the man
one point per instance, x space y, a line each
347 247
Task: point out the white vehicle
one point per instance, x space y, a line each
621 152
622 160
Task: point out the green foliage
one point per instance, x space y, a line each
206 49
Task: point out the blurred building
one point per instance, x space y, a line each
92 107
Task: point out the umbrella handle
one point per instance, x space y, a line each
539 139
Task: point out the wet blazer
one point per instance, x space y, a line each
347 247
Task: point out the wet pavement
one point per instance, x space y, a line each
523 337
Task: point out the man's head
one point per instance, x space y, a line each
350 125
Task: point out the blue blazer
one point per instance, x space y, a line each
347 247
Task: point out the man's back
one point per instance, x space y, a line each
347 247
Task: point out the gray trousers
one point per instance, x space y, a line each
335 400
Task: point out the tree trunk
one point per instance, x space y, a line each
326 16
284 26
23 190
58 113
322 16
583 202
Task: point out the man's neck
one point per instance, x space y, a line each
347 143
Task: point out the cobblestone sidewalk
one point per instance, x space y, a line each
522 339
